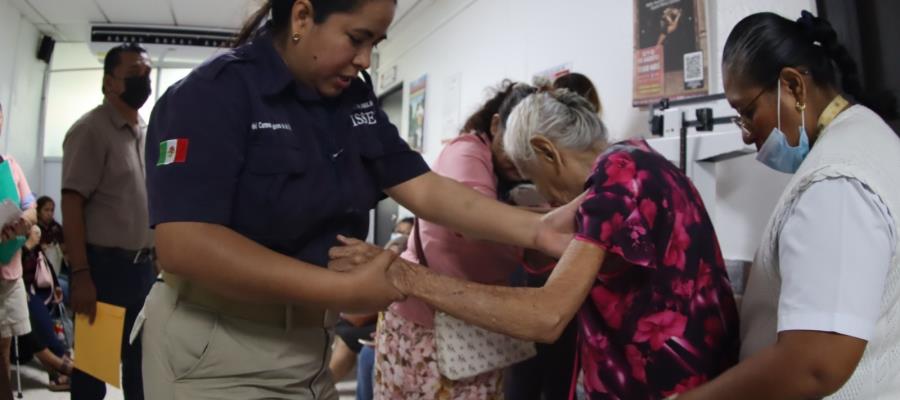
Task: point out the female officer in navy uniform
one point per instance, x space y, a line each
256 162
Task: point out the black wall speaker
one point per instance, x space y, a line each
45 50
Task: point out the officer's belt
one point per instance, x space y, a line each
277 315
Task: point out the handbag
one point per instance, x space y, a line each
465 350
43 277
54 256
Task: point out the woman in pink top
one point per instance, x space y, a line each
406 359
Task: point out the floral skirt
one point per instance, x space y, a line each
406 367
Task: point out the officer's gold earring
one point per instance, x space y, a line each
800 106
296 38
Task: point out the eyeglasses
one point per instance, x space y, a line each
743 122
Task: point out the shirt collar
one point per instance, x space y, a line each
118 120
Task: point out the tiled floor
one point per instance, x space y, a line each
34 386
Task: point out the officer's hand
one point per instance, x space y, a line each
351 254
369 282
558 228
84 294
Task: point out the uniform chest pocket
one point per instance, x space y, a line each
370 146
271 176
268 159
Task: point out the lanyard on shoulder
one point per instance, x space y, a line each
831 112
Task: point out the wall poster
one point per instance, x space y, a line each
415 136
671 52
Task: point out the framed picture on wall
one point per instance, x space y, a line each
671 50
416 135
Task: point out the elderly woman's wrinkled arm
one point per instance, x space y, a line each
538 314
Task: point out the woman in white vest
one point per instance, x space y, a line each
821 313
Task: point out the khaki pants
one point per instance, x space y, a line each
13 309
191 354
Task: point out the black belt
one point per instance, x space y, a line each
138 256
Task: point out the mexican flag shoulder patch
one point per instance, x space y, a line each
172 152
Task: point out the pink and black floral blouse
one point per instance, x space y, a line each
661 317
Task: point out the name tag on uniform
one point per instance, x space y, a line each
271 126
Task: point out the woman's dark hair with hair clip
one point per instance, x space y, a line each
519 92
505 97
762 44
280 11
480 121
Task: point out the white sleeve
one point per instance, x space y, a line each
835 250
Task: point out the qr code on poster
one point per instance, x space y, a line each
693 66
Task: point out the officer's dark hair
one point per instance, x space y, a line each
281 15
762 44
582 85
114 57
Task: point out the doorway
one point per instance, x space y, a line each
387 211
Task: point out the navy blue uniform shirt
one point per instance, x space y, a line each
239 143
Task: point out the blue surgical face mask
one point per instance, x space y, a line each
777 153
395 236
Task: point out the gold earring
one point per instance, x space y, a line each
800 106
296 38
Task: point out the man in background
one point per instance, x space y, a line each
104 205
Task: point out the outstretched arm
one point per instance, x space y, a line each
454 205
796 367
538 314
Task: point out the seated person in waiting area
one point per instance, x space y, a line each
645 273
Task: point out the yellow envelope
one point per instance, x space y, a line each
98 347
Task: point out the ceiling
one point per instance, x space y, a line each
70 20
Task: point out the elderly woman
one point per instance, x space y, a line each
657 315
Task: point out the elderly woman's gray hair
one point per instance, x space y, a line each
563 117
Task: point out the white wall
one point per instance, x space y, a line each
73 89
21 89
485 41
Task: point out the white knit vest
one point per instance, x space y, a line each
849 147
